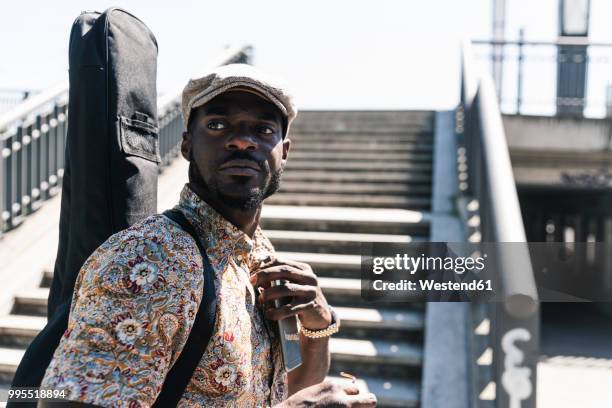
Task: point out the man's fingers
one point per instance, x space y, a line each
362 400
302 292
351 389
283 272
273 261
357 400
285 311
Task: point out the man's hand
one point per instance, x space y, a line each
329 394
306 298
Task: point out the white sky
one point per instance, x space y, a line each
347 54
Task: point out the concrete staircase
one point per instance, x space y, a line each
360 177
352 177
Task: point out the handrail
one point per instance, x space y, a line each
33 139
507 221
515 321
480 105
31 104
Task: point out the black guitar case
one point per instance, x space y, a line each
112 157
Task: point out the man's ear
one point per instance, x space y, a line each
286 147
186 146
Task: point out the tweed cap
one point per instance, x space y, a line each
243 76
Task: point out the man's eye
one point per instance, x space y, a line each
266 130
216 125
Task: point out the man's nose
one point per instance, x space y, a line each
243 139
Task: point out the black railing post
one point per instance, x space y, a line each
62 119
5 191
44 157
35 163
53 140
26 172
18 159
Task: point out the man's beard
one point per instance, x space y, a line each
251 200
255 196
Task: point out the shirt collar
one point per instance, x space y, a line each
215 230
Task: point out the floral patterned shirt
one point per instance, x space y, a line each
135 302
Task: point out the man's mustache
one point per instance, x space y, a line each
239 155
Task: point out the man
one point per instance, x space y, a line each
137 295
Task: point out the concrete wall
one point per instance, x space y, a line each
542 132
555 151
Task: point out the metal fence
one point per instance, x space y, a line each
486 178
33 140
551 78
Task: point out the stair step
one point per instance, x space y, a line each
31 302
344 125
327 122
424 116
345 219
378 318
361 138
9 360
379 201
340 286
382 114
387 156
21 324
312 145
331 265
390 392
403 137
375 351
357 165
351 176
331 242
20 330
354 188
364 127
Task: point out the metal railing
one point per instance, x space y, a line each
487 180
568 76
33 141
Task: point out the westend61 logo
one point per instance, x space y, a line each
436 271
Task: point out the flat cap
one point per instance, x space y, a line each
226 77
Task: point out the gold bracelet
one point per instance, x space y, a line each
319 334
333 328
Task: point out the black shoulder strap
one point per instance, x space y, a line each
201 332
